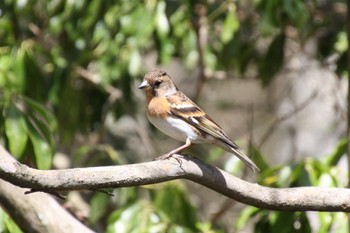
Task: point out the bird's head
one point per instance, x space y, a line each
158 83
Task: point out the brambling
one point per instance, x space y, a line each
173 113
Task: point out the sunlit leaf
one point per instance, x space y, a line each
138 217
326 220
161 19
337 153
16 130
257 157
314 168
290 221
171 197
341 45
284 176
7 224
326 180
42 128
244 217
42 111
19 68
43 152
135 63
231 24
98 207
206 227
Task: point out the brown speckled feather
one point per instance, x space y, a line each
182 107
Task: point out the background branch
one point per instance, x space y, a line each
285 117
37 212
178 167
199 24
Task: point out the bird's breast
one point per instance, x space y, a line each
176 128
158 107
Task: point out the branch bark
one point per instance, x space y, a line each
38 212
177 167
35 213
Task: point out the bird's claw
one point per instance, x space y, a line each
164 157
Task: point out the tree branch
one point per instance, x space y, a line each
38 212
177 167
34 213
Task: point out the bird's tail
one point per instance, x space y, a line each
244 158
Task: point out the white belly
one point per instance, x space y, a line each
176 128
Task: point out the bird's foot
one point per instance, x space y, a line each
169 155
164 157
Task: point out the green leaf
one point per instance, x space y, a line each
19 68
311 173
7 225
161 19
341 220
41 119
326 220
286 222
297 12
283 178
257 157
11 226
135 63
273 60
341 45
98 207
297 172
42 111
337 153
42 128
231 24
172 196
245 216
325 180
142 216
42 150
15 130
138 217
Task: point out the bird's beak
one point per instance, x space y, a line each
144 84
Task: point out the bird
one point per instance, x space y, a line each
177 116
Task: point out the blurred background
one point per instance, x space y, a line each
272 73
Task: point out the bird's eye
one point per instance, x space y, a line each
157 83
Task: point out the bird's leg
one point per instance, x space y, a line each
177 150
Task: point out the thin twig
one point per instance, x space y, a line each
200 27
285 117
114 93
53 193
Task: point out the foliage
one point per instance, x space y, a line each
169 210
7 225
27 124
307 173
67 65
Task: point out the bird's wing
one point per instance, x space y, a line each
181 106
